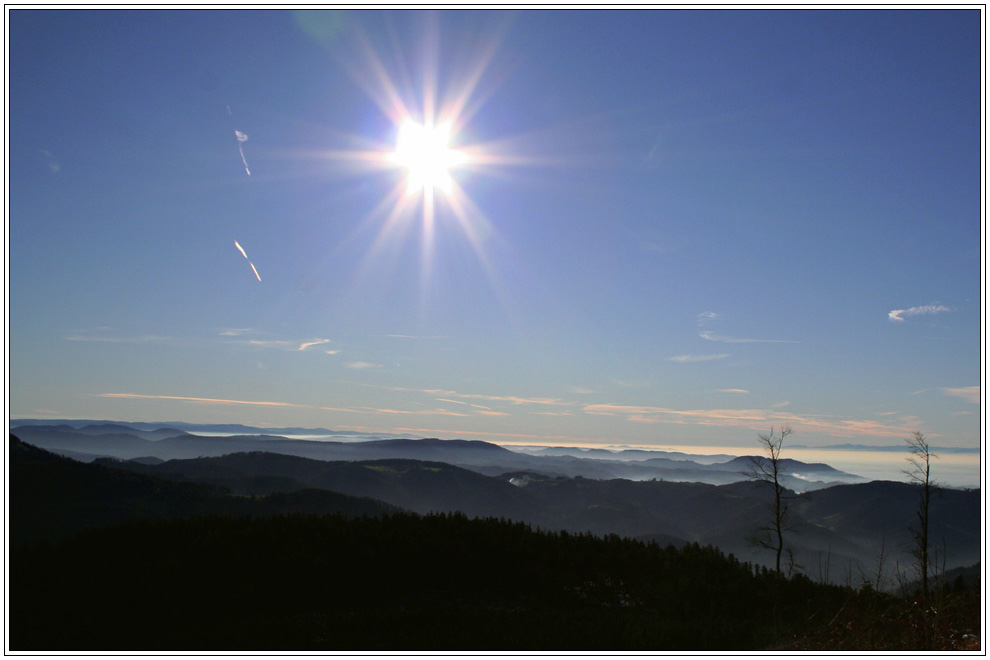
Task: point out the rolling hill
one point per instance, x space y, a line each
90 441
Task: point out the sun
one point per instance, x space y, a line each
424 151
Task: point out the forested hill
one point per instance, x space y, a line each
54 497
843 526
399 582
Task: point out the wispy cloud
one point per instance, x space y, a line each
698 358
708 317
580 390
235 332
141 339
469 434
733 390
757 419
443 412
464 403
196 399
361 365
969 394
899 314
710 336
278 344
466 399
312 342
631 383
371 410
281 344
515 400
53 165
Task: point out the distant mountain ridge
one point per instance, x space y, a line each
841 526
184 426
88 441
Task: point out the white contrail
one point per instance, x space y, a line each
250 263
241 139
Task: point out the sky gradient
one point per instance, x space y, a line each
670 228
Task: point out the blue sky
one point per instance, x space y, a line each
669 228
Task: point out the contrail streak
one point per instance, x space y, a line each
250 263
241 139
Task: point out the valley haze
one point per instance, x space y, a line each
651 495
953 467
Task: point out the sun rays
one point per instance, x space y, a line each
428 151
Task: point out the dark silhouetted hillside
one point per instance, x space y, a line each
418 486
400 582
54 497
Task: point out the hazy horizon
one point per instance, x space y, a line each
955 469
648 227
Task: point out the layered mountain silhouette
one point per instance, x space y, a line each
90 441
839 532
53 497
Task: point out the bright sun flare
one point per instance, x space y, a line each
425 152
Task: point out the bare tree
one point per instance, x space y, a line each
768 470
920 473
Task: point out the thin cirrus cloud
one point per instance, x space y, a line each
279 344
50 161
710 336
898 315
969 394
733 390
463 403
698 358
757 419
144 339
197 399
313 342
361 365
236 332
366 410
516 400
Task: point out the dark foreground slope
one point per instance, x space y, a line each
399 582
443 582
52 497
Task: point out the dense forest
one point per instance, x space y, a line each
241 573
